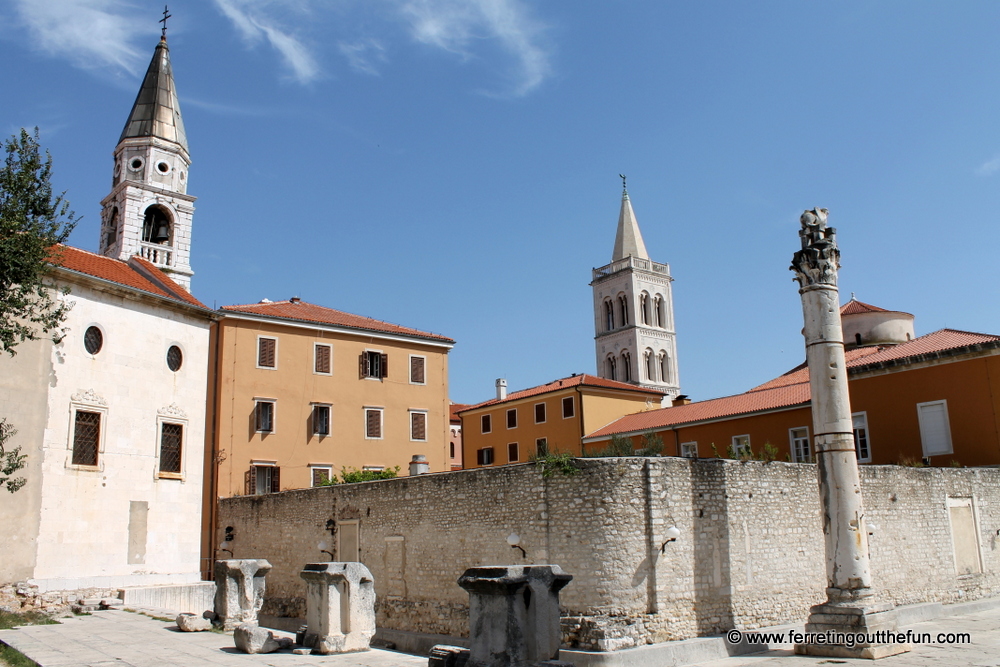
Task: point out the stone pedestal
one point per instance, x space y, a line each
239 590
514 614
340 607
850 607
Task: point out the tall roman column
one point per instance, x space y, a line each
850 606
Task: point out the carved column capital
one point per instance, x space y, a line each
818 261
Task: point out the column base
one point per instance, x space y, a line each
837 625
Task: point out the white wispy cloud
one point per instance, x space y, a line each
256 21
364 55
90 33
989 167
456 25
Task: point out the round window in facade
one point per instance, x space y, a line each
174 358
93 340
162 167
135 164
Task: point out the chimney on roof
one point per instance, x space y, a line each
265 300
501 389
682 399
295 299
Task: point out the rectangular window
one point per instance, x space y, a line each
267 352
418 373
321 420
265 416
171 437
568 407
374 365
86 438
512 418
418 426
689 450
799 444
540 413
935 431
321 475
512 452
741 443
484 456
263 479
541 447
322 355
373 423
861 445
487 424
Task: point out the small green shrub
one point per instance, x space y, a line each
652 444
353 475
12 619
551 464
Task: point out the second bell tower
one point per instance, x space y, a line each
149 212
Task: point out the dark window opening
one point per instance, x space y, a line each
487 424
374 365
321 420
542 447
175 358
512 418
484 457
86 438
540 413
156 226
170 447
512 452
93 340
568 407
265 417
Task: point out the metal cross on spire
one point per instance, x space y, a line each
163 34
624 189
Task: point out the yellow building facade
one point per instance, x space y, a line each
302 392
551 418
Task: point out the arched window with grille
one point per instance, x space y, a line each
156 227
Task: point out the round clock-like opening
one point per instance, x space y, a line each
93 340
162 167
174 358
135 164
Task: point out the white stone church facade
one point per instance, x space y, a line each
112 418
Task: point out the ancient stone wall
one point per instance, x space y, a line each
750 551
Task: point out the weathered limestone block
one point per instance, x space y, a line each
514 614
191 623
443 655
239 590
340 607
251 638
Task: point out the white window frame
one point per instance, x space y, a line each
868 436
316 345
517 448
687 447
507 418
183 423
562 407
493 455
545 409
102 435
312 419
409 368
263 464
313 467
418 411
792 439
373 468
381 422
257 400
382 374
83 340
257 353
923 430
486 423
739 445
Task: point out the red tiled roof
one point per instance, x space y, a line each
455 408
136 273
853 307
792 388
582 380
310 312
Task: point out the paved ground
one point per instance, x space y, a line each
984 651
126 639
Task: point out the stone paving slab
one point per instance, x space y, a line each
127 639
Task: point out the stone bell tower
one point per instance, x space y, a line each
634 313
148 212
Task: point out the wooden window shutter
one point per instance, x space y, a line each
322 358
418 426
362 366
385 365
373 423
480 455
275 479
250 481
417 370
265 352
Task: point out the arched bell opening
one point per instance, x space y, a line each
157 226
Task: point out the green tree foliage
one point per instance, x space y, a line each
32 222
353 475
652 444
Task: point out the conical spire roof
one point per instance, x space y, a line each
628 240
156 112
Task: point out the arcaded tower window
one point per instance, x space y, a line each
156 226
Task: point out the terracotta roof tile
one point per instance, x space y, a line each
308 312
792 388
583 380
455 408
136 273
853 307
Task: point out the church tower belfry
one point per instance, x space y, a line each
634 313
149 212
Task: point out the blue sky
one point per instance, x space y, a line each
453 165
